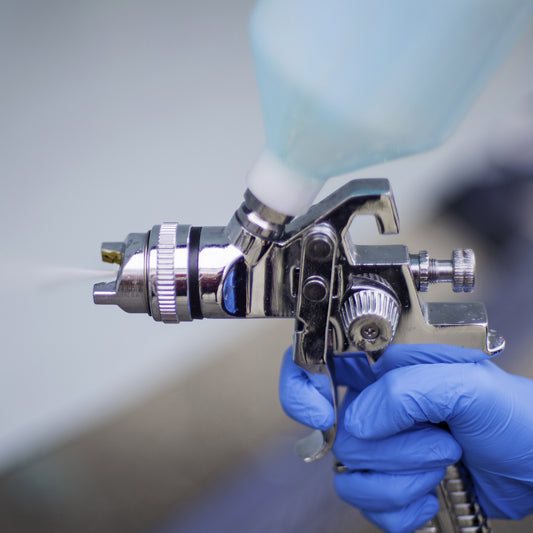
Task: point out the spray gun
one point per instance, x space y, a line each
343 85
342 296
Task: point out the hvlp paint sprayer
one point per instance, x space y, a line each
343 85
343 297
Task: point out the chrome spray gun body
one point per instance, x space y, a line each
343 297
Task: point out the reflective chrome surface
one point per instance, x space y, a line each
129 291
254 226
459 510
370 313
460 270
179 278
343 297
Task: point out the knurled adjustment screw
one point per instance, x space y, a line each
165 284
423 276
460 270
370 317
464 270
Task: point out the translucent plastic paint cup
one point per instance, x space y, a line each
350 83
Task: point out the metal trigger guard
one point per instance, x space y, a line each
323 231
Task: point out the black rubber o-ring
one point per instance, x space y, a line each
195 307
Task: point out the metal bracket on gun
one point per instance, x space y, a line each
317 284
310 350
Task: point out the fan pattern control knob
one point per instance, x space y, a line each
370 316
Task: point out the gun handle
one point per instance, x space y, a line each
459 511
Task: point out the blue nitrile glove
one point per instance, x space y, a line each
395 458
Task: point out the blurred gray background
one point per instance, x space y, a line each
118 115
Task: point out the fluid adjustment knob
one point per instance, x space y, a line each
460 270
370 315
464 270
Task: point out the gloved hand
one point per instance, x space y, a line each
387 438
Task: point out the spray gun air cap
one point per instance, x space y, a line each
128 291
